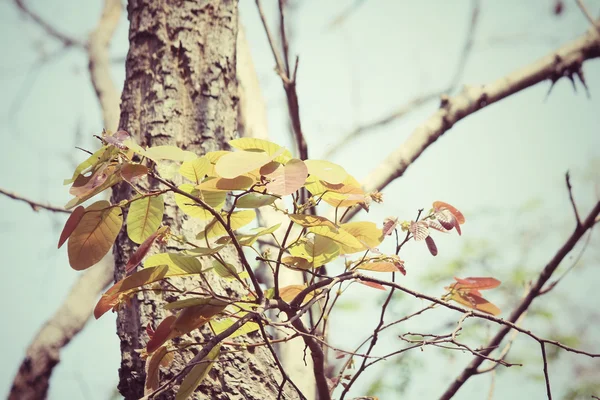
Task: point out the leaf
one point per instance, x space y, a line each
197 374
241 182
389 225
478 283
260 144
475 301
232 165
318 189
144 217
173 153
204 251
222 324
379 266
132 172
112 178
326 171
372 284
254 200
319 251
111 297
250 239
162 333
105 153
367 233
191 318
238 220
214 199
143 249
288 178
342 237
419 230
308 221
196 301
227 270
297 262
431 246
153 362
196 169
86 187
289 293
178 264
94 235
71 224
117 138
440 205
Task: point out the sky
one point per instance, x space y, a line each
491 165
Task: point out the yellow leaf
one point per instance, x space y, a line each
195 170
289 293
260 144
94 235
297 262
346 195
222 324
222 184
239 163
144 217
105 153
238 220
326 171
287 178
253 200
188 206
307 220
340 236
169 153
367 234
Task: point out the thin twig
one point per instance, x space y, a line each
570 190
34 204
546 377
587 14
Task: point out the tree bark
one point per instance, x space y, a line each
181 90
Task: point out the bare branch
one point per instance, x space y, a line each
43 353
570 189
565 61
34 204
66 40
416 102
546 377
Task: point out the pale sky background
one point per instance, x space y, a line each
490 166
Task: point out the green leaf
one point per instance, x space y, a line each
228 270
238 220
105 153
144 218
254 200
308 221
214 199
195 301
177 263
318 251
195 170
94 235
197 374
340 236
222 324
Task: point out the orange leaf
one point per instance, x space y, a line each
379 266
152 369
440 205
71 224
372 284
480 283
474 301
289 293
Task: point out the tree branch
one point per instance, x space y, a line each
43 353
565 61
34 204
418 101
534 291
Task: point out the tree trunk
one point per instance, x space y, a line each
181 90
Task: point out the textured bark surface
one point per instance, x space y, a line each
181 89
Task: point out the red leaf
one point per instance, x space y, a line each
372 284
431 246
479 283
141 251
149 330
163 332
389 224
477 302
71 224
132 172
440 205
